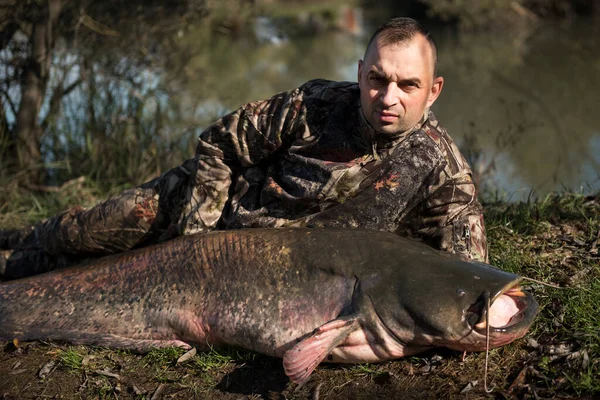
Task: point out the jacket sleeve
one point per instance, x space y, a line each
187 199
235 142
450 217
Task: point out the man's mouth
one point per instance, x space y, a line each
387 116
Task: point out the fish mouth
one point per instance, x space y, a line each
508 317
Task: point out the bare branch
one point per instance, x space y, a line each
55 100
60 92
96 26
13 109
72 87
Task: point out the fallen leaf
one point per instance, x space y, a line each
109 374
86 360
560 349
46 369
158 392
137 391
519 381
17 371
585 363
188 355
470 386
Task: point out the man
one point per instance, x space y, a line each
325 154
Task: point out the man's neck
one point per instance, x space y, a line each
385 140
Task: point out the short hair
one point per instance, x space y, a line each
403 29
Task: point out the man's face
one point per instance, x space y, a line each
397 84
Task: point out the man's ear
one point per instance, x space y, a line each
436 89
360 65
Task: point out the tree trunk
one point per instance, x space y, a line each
6 143
36 73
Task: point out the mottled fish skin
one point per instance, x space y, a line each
244 289
302 294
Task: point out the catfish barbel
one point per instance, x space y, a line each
306 295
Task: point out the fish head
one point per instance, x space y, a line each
442 301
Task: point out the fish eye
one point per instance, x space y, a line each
460 292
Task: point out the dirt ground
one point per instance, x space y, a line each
36 371
553 361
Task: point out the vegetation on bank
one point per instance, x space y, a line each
557 241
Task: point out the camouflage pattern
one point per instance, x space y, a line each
306 157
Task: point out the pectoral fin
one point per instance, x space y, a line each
301 360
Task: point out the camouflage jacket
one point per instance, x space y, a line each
306 157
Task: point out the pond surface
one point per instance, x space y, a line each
521 104
527 102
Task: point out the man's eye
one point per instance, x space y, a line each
377 79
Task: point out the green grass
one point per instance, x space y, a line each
220 358
20 206
368 369
72 359
205 365
529 217
202 361
549 241
163 362
163 357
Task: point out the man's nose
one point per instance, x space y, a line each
389 94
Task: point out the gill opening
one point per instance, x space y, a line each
388 330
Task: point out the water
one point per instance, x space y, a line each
520 104
529 99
